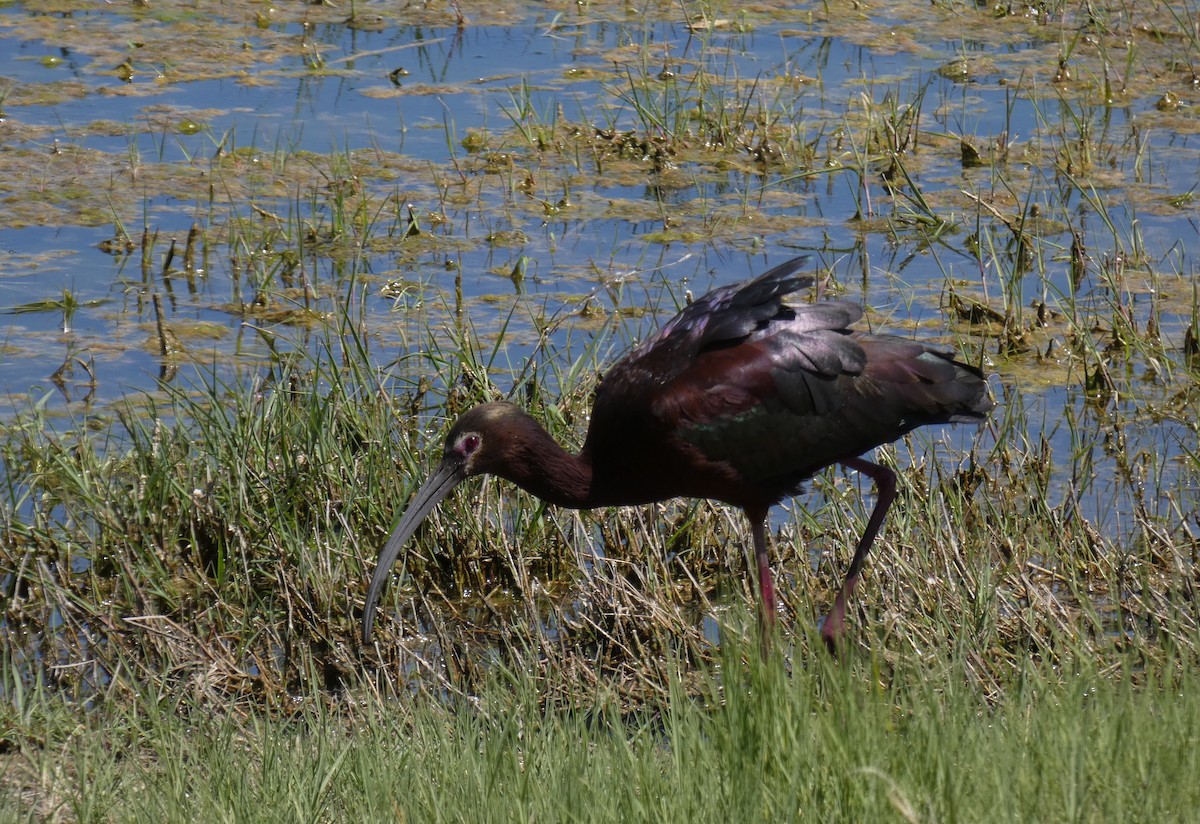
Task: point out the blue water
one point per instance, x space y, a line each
455 82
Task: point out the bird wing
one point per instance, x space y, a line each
761 401
779 407
764 393
737 365
727 314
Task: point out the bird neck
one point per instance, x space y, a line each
536 463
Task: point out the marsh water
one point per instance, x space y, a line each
543 173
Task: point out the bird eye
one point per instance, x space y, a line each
470 443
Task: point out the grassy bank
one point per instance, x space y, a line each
181 637
747 743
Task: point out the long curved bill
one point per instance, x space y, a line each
436 487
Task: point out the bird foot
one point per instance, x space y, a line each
833 628
833 643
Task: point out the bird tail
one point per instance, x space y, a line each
957 387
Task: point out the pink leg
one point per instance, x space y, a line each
885 484
766 585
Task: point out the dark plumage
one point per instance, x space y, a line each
740 398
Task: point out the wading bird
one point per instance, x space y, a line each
740 398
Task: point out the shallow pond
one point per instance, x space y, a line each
1017 179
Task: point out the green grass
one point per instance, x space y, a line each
747 742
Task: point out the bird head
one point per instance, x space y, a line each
476 444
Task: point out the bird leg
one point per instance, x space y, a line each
885 485
766 586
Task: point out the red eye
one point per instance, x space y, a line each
470 444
